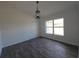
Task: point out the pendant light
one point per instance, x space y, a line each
37 11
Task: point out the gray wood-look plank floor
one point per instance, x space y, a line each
40 48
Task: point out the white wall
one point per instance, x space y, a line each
0 47
71 32
16 25
0 34
0 38
78 18
78 52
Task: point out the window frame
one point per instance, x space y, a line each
53 27
49 27
60 27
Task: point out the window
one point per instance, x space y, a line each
59 26
49 26
56 26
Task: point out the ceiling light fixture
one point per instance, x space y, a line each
37 11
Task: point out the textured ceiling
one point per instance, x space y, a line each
46 7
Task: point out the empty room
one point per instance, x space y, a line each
39 29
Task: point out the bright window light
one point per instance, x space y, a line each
56 26
59 26
49 26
